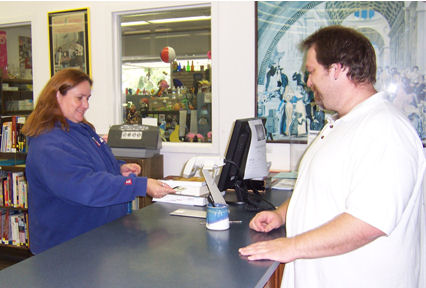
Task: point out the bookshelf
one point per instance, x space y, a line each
16 96
14 236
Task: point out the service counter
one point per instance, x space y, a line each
150 248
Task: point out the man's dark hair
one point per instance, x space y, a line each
345 46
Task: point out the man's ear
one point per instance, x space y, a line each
338 70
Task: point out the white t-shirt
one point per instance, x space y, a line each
369 164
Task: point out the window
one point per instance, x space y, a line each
174 88
16 96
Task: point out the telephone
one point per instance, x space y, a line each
209 166
202 162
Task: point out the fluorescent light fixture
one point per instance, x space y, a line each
134 23
181 19
172 36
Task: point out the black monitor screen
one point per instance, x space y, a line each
245 161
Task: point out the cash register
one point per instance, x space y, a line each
134 140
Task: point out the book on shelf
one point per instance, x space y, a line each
5 226
14 228
13 190
12 140
194 186
1 195
183 200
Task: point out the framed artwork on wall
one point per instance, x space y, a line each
69 40
395 28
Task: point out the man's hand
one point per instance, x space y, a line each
343 234
266 221
280 249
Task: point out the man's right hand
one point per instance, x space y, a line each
266 221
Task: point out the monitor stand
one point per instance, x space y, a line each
250 201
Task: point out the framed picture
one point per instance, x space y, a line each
69 40
395 28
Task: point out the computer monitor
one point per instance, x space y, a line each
245 163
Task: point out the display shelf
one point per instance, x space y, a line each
18 101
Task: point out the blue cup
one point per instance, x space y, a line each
217 217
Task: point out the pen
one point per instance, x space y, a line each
210 199
96 142
230 222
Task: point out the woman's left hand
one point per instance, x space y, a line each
158 189
128 168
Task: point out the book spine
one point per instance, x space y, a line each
15 229
5 192
22 188
10 188
9 137
27 236
22 227
13 134
2 215
3 137
1 194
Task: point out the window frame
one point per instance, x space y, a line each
172 147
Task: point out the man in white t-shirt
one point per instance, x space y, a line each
356 217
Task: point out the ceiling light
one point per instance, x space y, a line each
134 23
181 19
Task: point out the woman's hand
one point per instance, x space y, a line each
128 168
158 189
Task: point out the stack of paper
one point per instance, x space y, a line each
284 180
189 191
283 184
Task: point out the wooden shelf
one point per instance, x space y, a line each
17 81
187 77
13 155
14 208
16 252
12 168
20 113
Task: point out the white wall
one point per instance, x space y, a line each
233 53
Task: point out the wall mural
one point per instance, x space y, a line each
395 29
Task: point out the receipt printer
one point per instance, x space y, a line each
134 141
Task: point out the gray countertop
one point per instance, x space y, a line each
150 248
